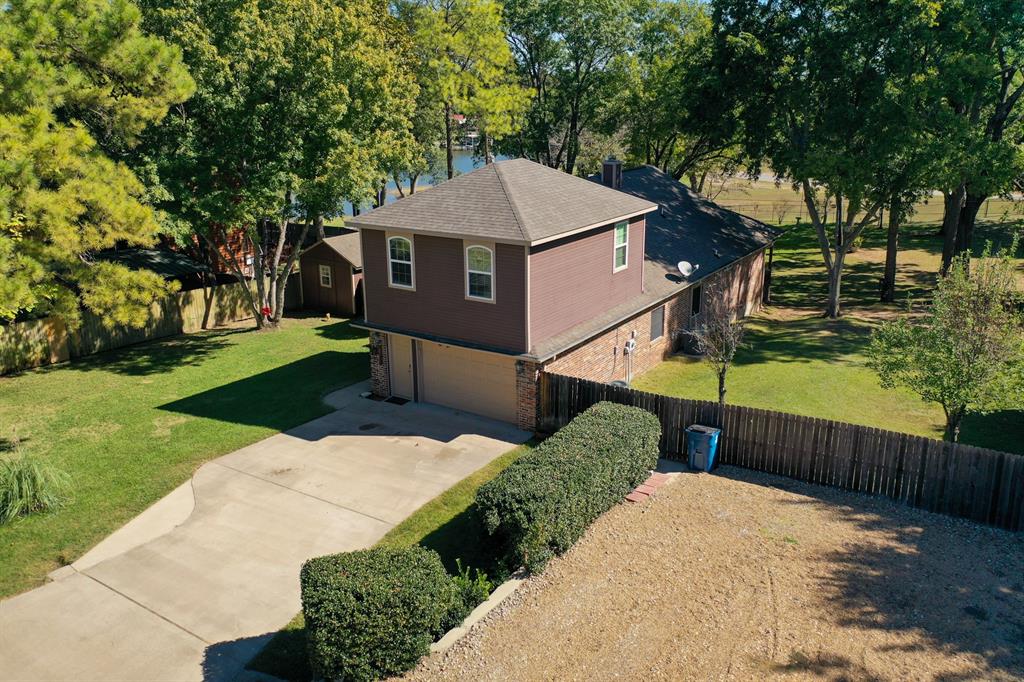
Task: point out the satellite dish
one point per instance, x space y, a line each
686 269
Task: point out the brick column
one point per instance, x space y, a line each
527 394
380 366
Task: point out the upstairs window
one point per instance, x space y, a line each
400 270
621 245
480 273
325 276
695 300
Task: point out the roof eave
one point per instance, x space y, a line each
577 230
435 233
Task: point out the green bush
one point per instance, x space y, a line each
374 613
474 587
541 504
29 485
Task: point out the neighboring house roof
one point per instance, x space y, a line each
347 245
167 264
517 201
688 227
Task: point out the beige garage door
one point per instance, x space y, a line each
473 381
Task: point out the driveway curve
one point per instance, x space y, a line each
197 584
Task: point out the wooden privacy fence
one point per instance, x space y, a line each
46 341
949 478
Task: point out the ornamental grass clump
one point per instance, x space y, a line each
29 485
542 504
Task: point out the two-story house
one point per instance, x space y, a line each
473 287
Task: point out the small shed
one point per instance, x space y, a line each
332 275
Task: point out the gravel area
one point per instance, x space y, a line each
746 576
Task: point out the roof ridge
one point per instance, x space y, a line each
511 203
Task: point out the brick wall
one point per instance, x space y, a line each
602 359
527 399
380 374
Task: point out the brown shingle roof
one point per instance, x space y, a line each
514 201
347 246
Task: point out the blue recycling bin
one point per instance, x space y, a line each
702 446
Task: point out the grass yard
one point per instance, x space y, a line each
129 426
748 576
797 361
446 524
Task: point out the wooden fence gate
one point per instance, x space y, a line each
949 478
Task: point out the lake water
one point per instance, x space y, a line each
464 163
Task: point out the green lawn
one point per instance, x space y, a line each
445 524
129 426
796 361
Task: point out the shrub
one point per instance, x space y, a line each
374 613
541 504
29 485
474 587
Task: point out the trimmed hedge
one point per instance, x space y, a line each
373 613
542 504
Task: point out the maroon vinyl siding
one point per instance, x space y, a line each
438 306
572 279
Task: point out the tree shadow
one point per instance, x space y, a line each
340 331
157 357
804 340
1002 430
263 399
955 585
824 666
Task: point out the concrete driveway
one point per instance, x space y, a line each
196 585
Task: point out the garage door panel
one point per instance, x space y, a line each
473 381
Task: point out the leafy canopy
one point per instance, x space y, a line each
79 82
967 352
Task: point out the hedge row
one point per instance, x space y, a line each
541 504
373 613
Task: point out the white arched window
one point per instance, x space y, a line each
480 273
400 267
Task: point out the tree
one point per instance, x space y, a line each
979 62
570 56
718 334
967 352
80 83
673 114
858 63
467 66
300 106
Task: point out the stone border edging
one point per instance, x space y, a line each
500 594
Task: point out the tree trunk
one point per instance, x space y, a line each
835 282
966 221
952 204
280 275
449 154
954 418
888 294
487 149
721 385
412 184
